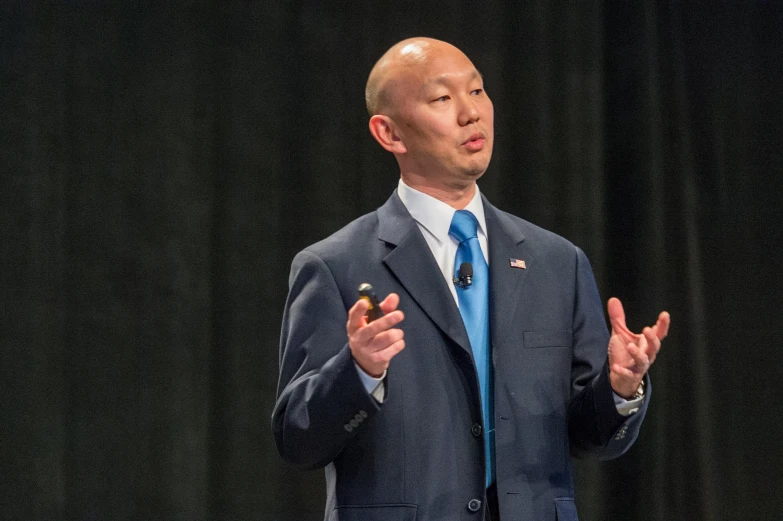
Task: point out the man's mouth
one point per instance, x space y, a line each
475 142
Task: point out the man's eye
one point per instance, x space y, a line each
442 98
476 92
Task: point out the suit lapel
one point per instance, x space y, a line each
412 263
506 242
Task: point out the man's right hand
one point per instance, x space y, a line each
373 345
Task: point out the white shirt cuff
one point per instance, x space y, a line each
374 386
625 407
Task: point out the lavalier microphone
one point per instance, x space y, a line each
465 276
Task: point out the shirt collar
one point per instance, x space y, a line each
435 215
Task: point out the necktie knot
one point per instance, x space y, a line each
464 225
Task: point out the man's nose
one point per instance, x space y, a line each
469 113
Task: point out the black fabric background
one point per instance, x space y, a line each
161 165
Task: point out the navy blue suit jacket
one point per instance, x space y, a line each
418 455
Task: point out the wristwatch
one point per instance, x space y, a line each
639 391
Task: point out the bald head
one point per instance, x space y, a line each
428 107
390 71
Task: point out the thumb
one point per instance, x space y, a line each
616 314
390 303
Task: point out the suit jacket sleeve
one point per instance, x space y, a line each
594 424
321 400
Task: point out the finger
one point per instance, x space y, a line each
641 361
664 320
377 326
617 315
385 338
623 371
390 303
653 343
356 316
384 356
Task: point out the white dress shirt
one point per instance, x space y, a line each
433 218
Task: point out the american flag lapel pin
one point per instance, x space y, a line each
517 263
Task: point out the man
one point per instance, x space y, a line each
466 399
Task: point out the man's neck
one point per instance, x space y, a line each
457 197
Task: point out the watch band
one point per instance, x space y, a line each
639 391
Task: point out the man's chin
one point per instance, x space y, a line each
477 166
475 171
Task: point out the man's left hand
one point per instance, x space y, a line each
632 354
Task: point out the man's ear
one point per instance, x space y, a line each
382 129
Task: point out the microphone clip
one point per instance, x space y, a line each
464 277
463 282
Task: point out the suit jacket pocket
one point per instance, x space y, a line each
566 509
551 338
396 512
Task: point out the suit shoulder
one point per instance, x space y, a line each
350 256
541 237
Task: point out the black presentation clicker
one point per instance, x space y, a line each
367 293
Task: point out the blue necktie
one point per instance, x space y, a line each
474 308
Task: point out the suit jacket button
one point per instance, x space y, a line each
476 429
474 505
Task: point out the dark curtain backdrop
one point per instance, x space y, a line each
161 165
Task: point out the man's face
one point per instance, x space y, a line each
444 119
